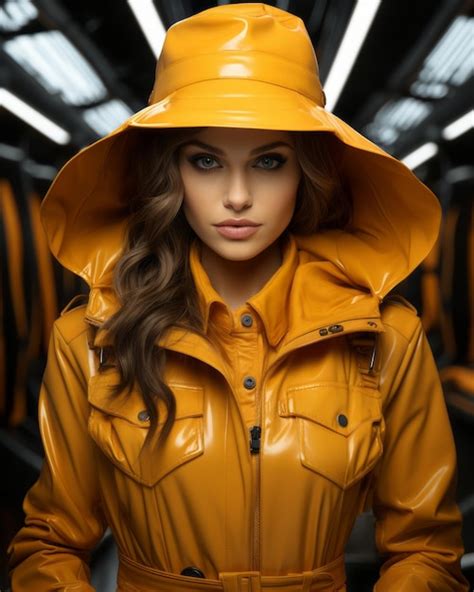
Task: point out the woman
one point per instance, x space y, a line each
238 387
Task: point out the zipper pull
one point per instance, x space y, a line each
255 432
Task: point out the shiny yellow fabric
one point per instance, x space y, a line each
203 499
244 350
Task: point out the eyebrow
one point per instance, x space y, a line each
222 153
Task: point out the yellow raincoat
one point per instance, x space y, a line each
315 399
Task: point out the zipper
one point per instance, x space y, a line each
255 448
255 433
256 513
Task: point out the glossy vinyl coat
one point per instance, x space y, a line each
204 500
335 438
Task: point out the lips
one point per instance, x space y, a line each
237 232
237 222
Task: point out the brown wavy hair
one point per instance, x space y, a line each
152 278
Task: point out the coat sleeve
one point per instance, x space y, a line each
418 524
63 519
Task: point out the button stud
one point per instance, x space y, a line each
143 415
246 320
335 328
342 420
193 572
323 332
249 382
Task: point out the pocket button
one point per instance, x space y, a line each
249 382
342 420
143 415
246 320
192 572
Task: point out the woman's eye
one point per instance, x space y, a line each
206 161
272 162
269 162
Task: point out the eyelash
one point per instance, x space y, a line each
277 157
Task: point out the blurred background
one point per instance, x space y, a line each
400 72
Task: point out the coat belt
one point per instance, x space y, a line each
136 577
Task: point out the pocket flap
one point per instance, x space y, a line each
129 406
117 426
339 407
339 428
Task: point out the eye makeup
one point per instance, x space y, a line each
275 156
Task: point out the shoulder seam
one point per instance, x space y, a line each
413 315
76 335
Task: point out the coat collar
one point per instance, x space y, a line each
308 298
268 303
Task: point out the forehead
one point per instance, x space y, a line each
241 137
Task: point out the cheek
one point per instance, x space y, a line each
196 196
283 195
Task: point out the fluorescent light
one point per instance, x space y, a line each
51 58
106 117
150 23
354 37
429 90
420 155
33 117
382 133
462 51
405 113
395 117
15 14
459 126
449 62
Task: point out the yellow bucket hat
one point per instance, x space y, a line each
247 65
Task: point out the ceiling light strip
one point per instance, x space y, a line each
460 126
446 43
456 58
52 59
34 118
354 37
150 23
15 14
420 155
95 89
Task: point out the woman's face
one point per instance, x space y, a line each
232 175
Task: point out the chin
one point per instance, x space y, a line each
238 250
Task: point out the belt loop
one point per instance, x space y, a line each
248 581
307 581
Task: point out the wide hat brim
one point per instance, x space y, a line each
85 208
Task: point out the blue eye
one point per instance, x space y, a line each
276 158
206 158
201 162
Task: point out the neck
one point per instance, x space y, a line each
237 281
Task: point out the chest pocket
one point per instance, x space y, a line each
118 427
339 429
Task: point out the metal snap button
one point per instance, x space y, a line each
143 415
246 320
323 332
249 382
342 420
192 572
335 328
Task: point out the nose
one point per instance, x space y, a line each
238 195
